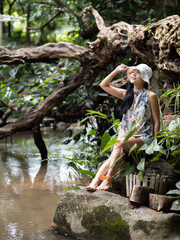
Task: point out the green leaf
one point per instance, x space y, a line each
176 205
105 139
109 144
130 133
116 161
133 148
92 112
155 147
160 149
68 189
175 191
92 132
126 169
150 149
173 125
174 146
178 185
143 147
176 152
156 158
141 175
141 165
86 172
73 188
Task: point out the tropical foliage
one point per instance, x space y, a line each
176 204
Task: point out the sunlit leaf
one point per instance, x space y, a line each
155 147
143 147
92 132
141 165
105 139
175 191
156 158
130 134
109 144
151 148
92 112
173 125
86 172
133 148
141 175
178 185
176 205
72 188
117 160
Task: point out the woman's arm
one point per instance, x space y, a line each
105 84
155 112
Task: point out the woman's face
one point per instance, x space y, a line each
134 76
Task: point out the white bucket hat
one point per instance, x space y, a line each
145 70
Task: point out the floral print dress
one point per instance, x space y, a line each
139 109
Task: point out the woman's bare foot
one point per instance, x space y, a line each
105 185
92 186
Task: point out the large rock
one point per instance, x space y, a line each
109 216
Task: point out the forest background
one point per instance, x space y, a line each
26 85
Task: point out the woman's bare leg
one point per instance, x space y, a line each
116 153
118 150
104 169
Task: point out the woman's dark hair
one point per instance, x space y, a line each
129 97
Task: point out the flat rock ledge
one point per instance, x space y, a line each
109 216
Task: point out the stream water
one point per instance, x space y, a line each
29 191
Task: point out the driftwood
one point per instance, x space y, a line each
161 202
140 194
157 45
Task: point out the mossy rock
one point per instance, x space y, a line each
104 223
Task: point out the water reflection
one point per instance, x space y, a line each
29 190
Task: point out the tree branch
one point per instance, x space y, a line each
59 4
48 3
49 52
46 23
66 9
35 116
99 20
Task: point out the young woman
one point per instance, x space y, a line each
137 101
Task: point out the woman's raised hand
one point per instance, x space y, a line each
122 68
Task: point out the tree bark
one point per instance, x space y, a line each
40 144
28 23
1 6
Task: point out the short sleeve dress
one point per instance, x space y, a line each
140 108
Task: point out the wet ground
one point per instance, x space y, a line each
29 191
